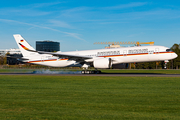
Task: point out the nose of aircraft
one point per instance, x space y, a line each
174 55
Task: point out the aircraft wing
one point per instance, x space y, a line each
78 58
18 58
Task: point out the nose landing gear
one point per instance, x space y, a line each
165 64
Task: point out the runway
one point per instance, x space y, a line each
103 74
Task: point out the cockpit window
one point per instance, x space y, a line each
168 50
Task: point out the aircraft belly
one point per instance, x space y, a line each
66 63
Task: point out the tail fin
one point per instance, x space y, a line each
24 46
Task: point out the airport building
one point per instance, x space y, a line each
13 54
48 46
10 51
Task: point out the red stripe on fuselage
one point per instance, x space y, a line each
46 60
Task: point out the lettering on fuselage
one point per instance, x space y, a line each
108 53
131 51
135 51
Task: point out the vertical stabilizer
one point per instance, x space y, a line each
24 46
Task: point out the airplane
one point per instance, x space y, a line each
99 58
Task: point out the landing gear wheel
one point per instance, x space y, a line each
98 72
165 64
90 72
87 72
82 72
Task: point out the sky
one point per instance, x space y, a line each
77 24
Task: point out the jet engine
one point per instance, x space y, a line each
103 63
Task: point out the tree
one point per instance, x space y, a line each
2 59
176 61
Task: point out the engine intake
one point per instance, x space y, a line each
103 63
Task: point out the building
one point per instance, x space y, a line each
12 59
13 54
48 46
10 51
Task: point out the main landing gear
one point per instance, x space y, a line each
86 71
91 72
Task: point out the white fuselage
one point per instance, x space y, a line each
118 55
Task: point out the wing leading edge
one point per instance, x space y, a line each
69 56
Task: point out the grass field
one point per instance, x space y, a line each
89 97
153 71
13 70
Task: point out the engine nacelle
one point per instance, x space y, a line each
103 63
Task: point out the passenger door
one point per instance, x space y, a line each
125 53
156 50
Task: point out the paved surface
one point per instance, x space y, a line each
108 74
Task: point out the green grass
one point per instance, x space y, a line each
153 71
88 97
14 70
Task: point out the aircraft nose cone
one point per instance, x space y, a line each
175 55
